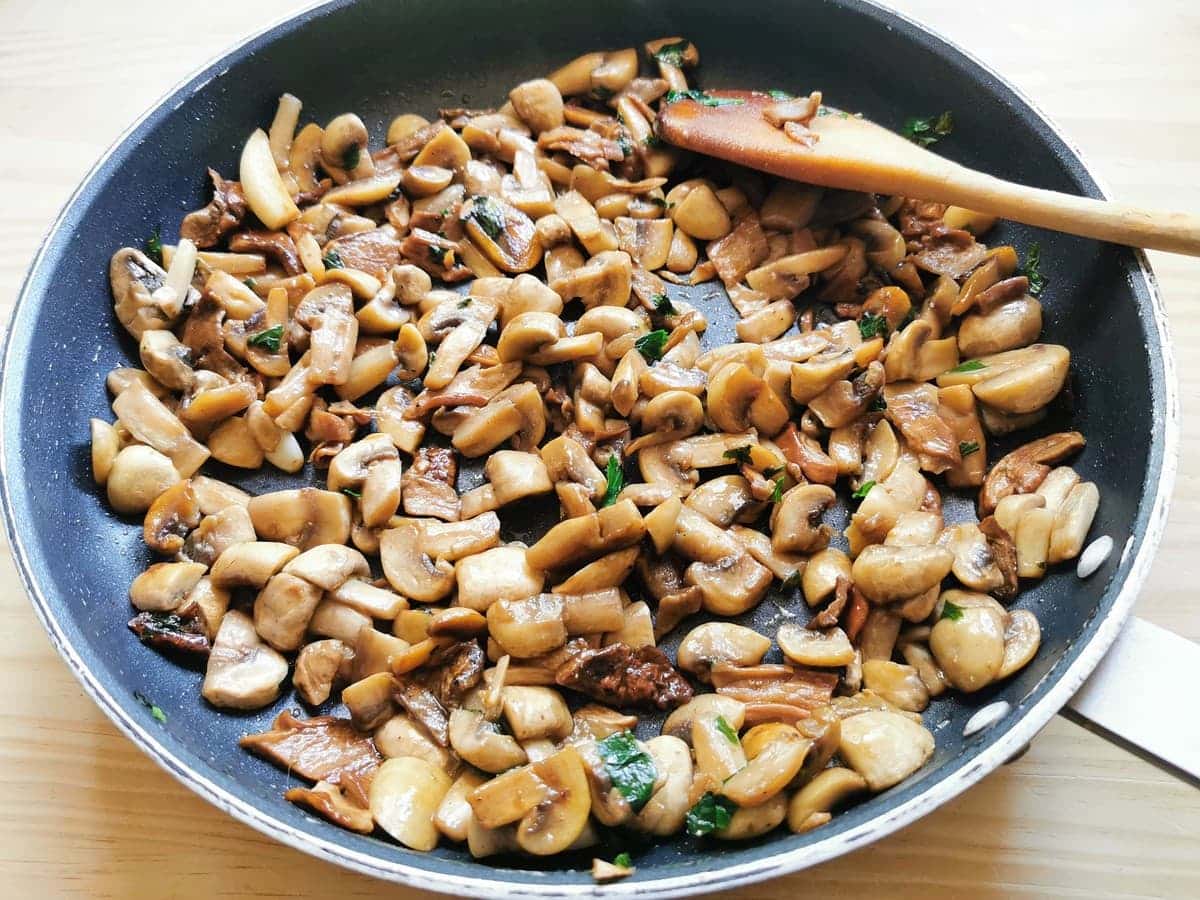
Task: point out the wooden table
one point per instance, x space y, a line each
84 814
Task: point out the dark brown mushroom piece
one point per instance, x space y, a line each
830 615
504 234
275 244
436 255
741 250
1021 471
458 670
327 801
428 485
172 632
588 147
204 336
423 705
1004 553
913 409
949 251
782 684
206 226
622 676
325 748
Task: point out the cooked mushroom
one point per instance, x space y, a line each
243 672
404 795
968 640
716 643
409 569
1022 470
501 573
317 667
884 747
304 518
137 477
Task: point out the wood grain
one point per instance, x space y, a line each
84 814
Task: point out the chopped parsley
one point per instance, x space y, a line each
155 713
701 98
780 95
872 326
623 860
615 477
270 338
351 157
711 813
927 132
464 303
738 454
630 768
651 141
250 283
672 54
625 145
663 305
971 365
861 493
966 448
878 404
772 471
488 215
792 581
1033 270
357 495
154 248
651 344
333 260
951 611
777 492
728 730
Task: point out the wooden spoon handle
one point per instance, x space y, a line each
1170 231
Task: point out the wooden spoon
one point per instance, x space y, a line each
857 155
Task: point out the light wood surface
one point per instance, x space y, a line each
83 814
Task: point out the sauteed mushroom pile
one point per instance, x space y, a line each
496 289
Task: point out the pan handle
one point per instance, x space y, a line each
1135 698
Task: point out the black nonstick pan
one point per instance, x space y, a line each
381 58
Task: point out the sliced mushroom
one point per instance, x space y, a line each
409 569
250 564
821 795
796 519
304 518
1022 470
501 573
807 647
968 643
716 643
479 742
164 586
243 672
317 667
885 574
404 795
884 747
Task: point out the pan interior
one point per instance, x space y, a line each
380 59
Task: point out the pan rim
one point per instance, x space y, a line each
775 864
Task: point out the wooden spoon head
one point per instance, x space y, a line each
847 152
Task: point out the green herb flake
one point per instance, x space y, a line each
663 305
623 860
464 303
780 95
927 132
488 215
155 713
333 260
971 365
154 247
250 283
625 145
630 768
792 581
269 339
951 611
711 813
966 448
701 98
351 157
861 493
651 141
777 492
738 454
651 344
1033 270
672 54
357 495
872 326
878 404
728 730
615 477
437 254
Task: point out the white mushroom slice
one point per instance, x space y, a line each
884 747
401 736
243 672
265 193
283 609
528 627
821 795
405 794
968 640
885 574
776 753
251 564
214 495
718 643
820 577
815 648
328 312
453 541
536 712
371 468
898 684
339 621
409 569
164 586
609 571
974 565
515 475
637 629
152 423
753 821
501 573
1022 637
478 742
1072 521
137 477
368 599
305 518
316 668
328 565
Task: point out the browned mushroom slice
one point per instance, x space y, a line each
957 407
741 250
327 801
612 528
428 485
1004 552
504 233
172 631
321 749
205 227
913 409
587 146
272 243
621 676
952 252
435 254
409 569
153 423
783 684
373 252
304 518
1021 471
173 514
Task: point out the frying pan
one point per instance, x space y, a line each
381 58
